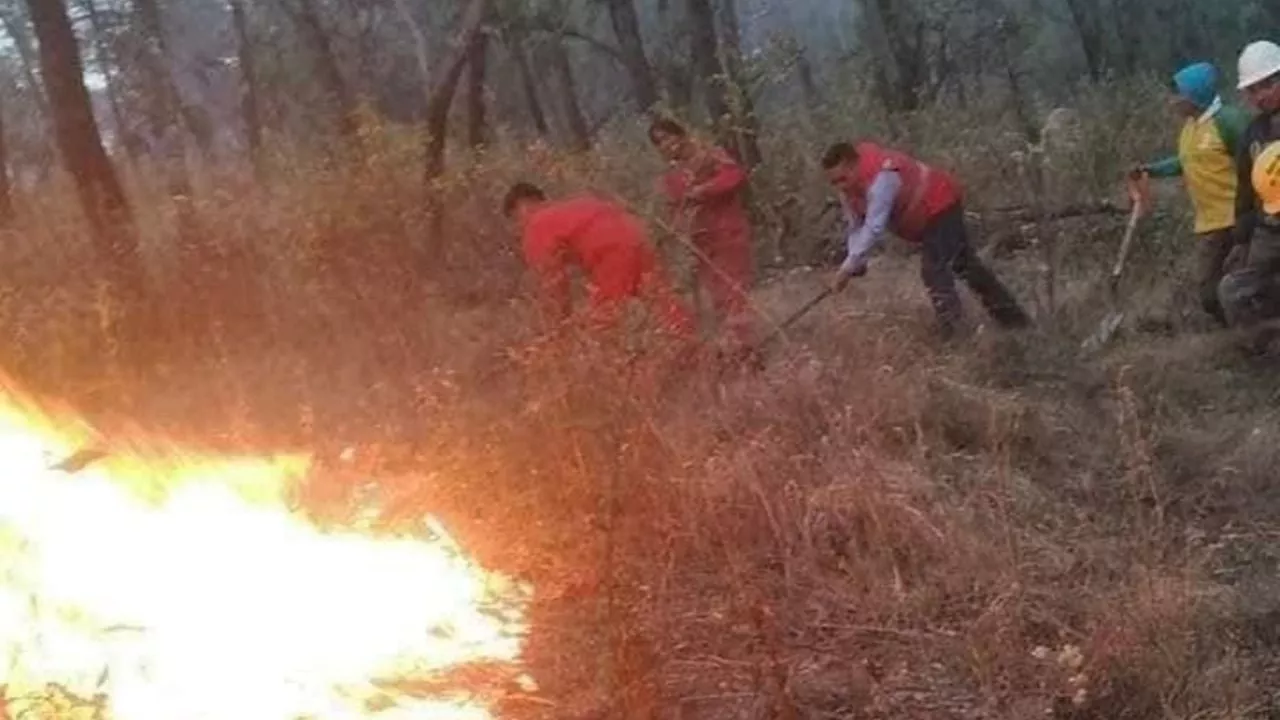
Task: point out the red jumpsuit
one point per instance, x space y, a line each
716 217
611 247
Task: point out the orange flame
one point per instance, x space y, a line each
173 586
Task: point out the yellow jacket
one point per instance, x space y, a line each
1206 162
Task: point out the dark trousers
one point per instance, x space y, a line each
1211 254
946 253
1251 294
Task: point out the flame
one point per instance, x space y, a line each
169 585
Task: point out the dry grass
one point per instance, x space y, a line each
872 527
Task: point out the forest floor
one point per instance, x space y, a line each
874 526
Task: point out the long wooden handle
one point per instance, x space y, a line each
1118 268
804 310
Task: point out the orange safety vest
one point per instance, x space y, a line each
926 192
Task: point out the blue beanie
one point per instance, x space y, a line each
1198 83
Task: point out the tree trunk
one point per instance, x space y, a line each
515 43
746 124
703 47
439 100
1084 15
562 67
807 78
170 115
896 37
477 68
106 61
17 31
329 71
1128 23
249 111
674 72
6 187
626 28
98 187
176 107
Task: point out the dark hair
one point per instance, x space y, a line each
838 154
520 192
665 126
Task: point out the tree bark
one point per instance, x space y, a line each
703 48
6 187
329 71
440 97
807 78
107 62
249 109
562 66
1084 14
515 43
439 100
175 106
17 31
896 37
100 193
745 123
477 69
626 28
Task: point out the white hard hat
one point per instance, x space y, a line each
1259 61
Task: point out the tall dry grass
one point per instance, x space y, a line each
874 526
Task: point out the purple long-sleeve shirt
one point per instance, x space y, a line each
864 234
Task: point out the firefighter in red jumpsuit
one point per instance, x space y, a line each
705 188
607 242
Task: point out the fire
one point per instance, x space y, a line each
170 586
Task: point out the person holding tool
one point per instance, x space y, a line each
1206 160
1250 294
607 242
882 189
705 189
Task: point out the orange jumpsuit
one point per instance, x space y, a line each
611 246
721 231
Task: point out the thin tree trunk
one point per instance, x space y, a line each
17 31
6 187
562 66
896 38
106 62
1128 25
99 190
171 113
807 78
1084 14
249 112
328 69
746 124
515 43
192 117
706 61
439 100
675 74
420 51
477 68
626 28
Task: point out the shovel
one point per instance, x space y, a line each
1138 190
